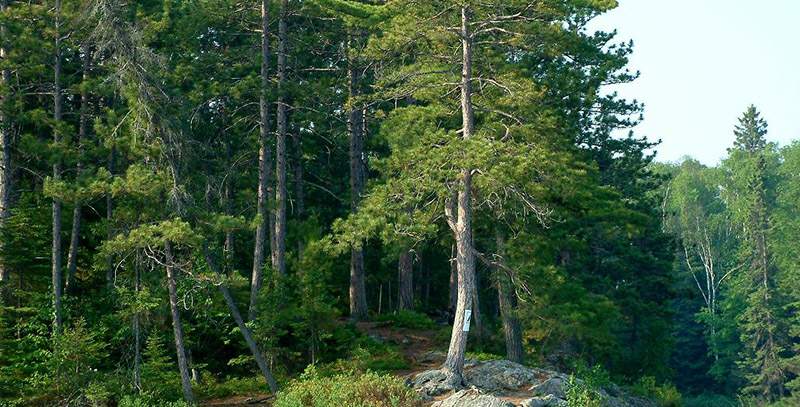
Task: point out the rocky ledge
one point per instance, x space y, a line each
501 383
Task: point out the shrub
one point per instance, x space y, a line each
352 390
665 394
158 370
582 394
483 356
232 386
408 319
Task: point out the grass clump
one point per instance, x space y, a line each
368 389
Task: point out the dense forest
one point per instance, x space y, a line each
210 198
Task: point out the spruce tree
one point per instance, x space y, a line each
761 330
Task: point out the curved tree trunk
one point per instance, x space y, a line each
264 170
243 328
405 280
177 328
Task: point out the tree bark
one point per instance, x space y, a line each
57 115
299 193
462 227
358 292
228 248
83 124
243 328
453 282
405 280
5 146
508 309
279 251
264 169
177 328
137 332
476 313
112 158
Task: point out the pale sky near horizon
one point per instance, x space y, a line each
703 62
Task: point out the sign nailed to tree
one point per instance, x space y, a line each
467 316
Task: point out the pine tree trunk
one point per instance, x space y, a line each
137 332
264 170
453 282
465 259
279 252
74 241
177 328
299 193
5 148
358 292
228 196
243 328
476 313
508 309
112 158
56 237
405 280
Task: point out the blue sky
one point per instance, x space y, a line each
703 62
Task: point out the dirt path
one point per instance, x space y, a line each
418 347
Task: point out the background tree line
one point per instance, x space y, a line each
192 191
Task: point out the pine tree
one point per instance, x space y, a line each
760 327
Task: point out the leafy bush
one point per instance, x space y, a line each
582 394
665 394
351 390
408 319
362 359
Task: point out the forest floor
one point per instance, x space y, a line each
420 348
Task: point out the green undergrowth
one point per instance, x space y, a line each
408 320
370 389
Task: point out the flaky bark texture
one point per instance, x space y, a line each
405 280
462 224
453 282
358 292
264 169
177 328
